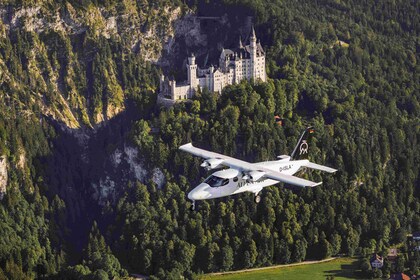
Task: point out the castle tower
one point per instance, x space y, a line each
162 83
192 72
253 53
172 85
211 78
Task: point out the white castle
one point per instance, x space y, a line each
235 65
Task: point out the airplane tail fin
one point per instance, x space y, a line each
302 147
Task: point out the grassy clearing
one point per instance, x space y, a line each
343 268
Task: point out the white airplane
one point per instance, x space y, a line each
243 176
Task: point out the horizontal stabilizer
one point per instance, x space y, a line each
319 167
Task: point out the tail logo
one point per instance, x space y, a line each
303 148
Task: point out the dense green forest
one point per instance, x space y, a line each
347 67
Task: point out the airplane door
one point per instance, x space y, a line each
230 187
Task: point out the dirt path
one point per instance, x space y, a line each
270 267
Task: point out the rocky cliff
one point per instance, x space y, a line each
63 41
3 176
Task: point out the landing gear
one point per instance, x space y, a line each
192 207
257 198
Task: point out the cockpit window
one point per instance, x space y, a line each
215 182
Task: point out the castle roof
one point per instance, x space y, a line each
228 52
253 32
242 51
260 51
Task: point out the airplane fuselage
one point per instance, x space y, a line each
218 185
243 176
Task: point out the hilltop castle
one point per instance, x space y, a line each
235 65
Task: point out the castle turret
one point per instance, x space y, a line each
192 72
252 37
162 83
241 46
172 85
211 78
191 59
253 53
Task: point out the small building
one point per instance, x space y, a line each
376 261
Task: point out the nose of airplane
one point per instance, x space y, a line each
200 192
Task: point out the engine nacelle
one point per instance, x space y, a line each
255 175
212 163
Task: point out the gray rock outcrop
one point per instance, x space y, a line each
3 176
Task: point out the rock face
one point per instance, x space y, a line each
120 167
3 176
185 36
61 85
144 30
203 36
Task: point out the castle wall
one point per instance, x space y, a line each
180 92
203 82
239 72
260 68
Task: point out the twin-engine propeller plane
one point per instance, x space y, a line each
243 176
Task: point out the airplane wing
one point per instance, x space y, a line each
289 179
319 167
248 167
189 148
226 160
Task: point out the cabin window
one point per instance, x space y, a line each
216 182
235 179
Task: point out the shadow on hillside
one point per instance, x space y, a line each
79 159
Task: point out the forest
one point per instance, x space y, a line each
349 68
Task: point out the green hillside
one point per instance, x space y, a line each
82 138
